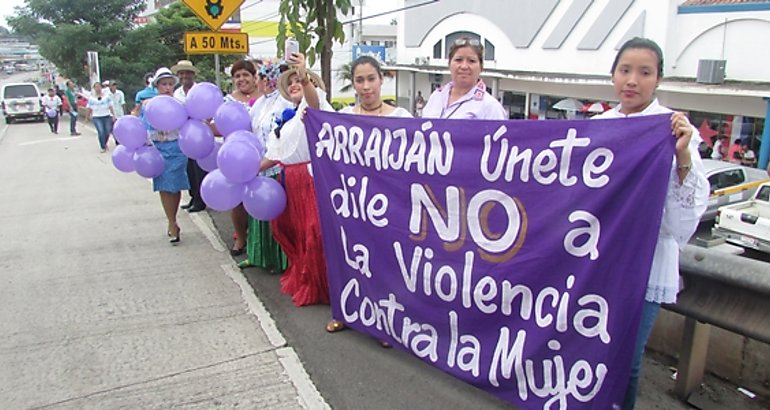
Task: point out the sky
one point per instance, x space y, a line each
6 9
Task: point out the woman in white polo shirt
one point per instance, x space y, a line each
100 112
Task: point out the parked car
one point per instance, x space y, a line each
730 183
746 223
21 100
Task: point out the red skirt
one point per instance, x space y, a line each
298 231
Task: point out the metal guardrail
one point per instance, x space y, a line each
722 290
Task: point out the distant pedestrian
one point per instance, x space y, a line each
186 71
118 100
148 92
419 104
720 148
100 112
72 100
52 104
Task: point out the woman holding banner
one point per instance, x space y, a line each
261 248
367 81
298 229
466 95
636 73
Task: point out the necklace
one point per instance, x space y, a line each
362 109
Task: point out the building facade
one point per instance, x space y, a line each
538 52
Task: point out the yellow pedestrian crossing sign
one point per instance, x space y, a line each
213 12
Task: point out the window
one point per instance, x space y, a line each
20 91
437 50
726 179
764 193
489 51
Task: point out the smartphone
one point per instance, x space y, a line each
291 46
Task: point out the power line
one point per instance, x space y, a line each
391 11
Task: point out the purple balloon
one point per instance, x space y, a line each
130 132
239 161
209 162
148 162
264 198
202 101
220 193
232 116
196 139
123 159
165 113
246 136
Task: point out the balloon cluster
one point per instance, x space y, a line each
233 166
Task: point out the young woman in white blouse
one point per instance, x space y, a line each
636 73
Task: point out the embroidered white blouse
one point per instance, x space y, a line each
684 206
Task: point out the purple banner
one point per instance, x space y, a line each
513 255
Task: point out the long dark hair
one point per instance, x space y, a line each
643 43
365 60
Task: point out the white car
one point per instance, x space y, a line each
730 183
21 101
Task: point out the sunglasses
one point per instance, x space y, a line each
465 41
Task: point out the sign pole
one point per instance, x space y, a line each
216 68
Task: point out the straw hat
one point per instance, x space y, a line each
283 82
184 65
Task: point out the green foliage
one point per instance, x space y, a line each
66 29
315 25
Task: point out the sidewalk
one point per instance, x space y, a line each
100 311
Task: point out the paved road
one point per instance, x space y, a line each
100 311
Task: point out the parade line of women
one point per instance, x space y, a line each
278 96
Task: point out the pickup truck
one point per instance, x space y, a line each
746 223
730 184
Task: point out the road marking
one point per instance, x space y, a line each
49 140
206 226
308 396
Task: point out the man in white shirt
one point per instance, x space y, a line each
186 72
51 104
118 99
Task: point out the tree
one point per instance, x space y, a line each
315 25
64 30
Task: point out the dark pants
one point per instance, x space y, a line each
53 123
195 175
73 121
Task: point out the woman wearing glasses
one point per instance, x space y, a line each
100 111
466 95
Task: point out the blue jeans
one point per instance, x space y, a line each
73 122
103 127
649 313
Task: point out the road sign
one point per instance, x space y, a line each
210 42
213 12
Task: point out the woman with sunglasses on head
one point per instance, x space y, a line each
636 73
367 81
261 248
466 96
246 92
298 228
100 112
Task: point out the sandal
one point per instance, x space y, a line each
244 264
334 326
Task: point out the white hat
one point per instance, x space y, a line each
163 72
106 83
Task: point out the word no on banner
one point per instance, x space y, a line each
209 42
